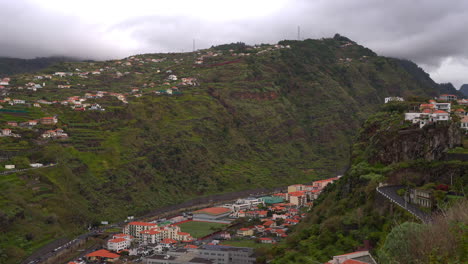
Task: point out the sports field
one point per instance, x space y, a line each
200 229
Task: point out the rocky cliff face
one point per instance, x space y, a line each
391 140
429 143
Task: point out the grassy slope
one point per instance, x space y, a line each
258 123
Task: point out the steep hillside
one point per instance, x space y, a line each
464 89
9 66
256 117
351 216
448 88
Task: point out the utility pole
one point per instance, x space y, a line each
298 32
193 45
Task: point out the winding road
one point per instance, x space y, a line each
390 192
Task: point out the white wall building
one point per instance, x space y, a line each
394 99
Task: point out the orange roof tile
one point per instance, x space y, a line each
117 240
142 224
102 253
168 241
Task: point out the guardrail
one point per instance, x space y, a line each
405 206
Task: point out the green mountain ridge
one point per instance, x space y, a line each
276 116
9 66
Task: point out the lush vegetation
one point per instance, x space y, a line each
284 116
350 216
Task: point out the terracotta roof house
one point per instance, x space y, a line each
102 255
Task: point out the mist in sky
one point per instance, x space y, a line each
432 33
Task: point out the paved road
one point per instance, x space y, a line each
390 192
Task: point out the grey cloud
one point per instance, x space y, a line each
425 31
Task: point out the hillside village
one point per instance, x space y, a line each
106 120
33 88
253 221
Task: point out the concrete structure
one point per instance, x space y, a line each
247 203
226 254
358 257
420 197
9 167
297 198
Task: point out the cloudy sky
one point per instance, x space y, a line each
433 33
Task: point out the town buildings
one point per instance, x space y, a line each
134 228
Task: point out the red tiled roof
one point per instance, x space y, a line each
440 112
142 224
426 105
183 234
244 229
117 240
265 238
213 211
168 241
299 193
190 246
102 253
460 110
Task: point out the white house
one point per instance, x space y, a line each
464 123
394 99
441 106
119 242
61 74
427 116
172 77
9 167
6 132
